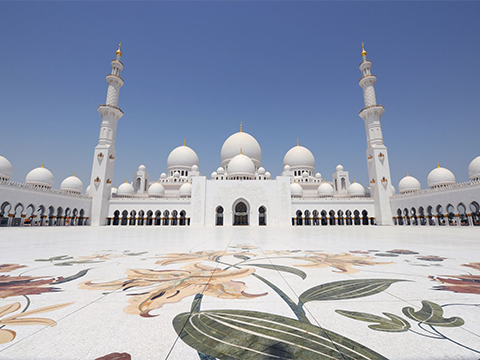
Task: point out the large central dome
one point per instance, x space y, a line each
244 142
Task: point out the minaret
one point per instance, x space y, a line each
377 156
104 157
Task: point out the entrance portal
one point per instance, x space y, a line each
241 214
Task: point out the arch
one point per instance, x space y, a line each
421 215
364 217
81 219
74 217
413 216
219 216
307 217
174 217
340 217
324 219
262 216
406 216
475 209
431 222
116 217
133 218
41 215
331 215
183 218
4 212
139 184
149 220
141 218
462 215
158 218
441 220
29 219
51 216
166 217
299 217
240 212
67 216
348 217
17 218
399 217
451 215
344 183
356 217
316 220
124 218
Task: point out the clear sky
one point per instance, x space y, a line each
194 70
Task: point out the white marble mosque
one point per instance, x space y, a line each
240 191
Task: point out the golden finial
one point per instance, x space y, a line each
407 174
438 164
119 51
73 174
43 164
184 141
364 53
126 181
297 142
241 151
241 126
354 180
157 181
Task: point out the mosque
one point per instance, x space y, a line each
240 192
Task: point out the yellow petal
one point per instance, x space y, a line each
6 336
8 309
37 311
31 321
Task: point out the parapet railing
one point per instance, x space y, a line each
439 189
42 189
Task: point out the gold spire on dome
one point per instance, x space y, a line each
355 180
407 174
43 164
297 142
241 151
241 126
126 181
119 51
364 53
438 164
184 141
74 174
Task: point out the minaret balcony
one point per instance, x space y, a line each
367 80
372 108
112 78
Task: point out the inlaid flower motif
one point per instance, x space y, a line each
343 263
25 285
155 288
7 335
10 267
430 258
475 266
182 258
467 284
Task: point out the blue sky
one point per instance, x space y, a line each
194 70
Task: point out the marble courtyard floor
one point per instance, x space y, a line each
240 293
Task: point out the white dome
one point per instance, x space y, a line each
126 189
6 168
241 165
355 189
163 176
339 168
72 184
299 156
113 191
440 177
287 168
185 190
296 190
305 174
182 157
261 170
318 176
142 168
156 190
241 140
268 175
393 189
409 184
87 190
325 190
473 169
40 177
176 174
195 168
220 171
214 174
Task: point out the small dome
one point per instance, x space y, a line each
409 184
473 169
339 168
142 168
287 168
87 190
163 176
318 176
182 157
6 168
299 156
176 174
195 168
220 171
325 190
185 190
113 191
214 174
40 177
355 189
440 177
305 175
244 141
393 189
72 184
125 190
268 175
296 189
261 170
156 190
241 165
